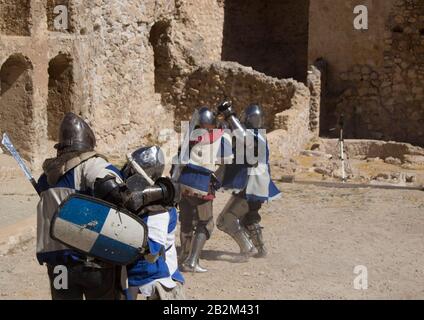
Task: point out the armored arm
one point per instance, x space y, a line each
108 189
239 130
162 192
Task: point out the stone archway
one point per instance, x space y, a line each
16 101
60 92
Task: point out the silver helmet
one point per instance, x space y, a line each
75 135
206 116
202 116
253 117
150 159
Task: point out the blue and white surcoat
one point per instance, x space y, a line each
161 227
77 175
205 154
255 180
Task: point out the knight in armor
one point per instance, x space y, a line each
240 217
78 168
207 148
155 276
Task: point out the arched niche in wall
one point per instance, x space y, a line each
16 100
159 39
60 92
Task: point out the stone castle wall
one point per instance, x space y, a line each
270 36
102 68
375 77
211 83
132 69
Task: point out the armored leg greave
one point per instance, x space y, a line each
242 239
191 264
255 232
229 222
186 239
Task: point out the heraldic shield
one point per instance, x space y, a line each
99 229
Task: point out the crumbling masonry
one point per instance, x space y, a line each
136 68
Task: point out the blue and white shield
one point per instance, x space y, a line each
99 229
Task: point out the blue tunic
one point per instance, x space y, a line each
256 180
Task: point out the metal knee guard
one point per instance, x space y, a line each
234 211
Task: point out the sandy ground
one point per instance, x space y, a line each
315 236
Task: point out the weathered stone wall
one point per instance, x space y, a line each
394 94
333 37
292 127
15 17
20 105
373 149
193 37
198 28
60 92
375 76
51 15
270 36
16 104
286 103
127 67
121 74
314 82
212 83
110 81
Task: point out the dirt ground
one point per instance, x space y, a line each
315 235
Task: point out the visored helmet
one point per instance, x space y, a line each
75 135
253 117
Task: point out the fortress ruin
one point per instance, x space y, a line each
135 68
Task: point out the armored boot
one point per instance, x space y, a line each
185 239
229 222
255 232
247 248
191 264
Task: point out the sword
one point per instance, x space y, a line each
9 146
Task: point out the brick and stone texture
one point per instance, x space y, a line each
388 103
135 69
375 76
314 81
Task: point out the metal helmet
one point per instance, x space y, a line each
150 159
253 117
206 116
202 116
75 135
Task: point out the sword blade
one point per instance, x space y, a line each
7 143
139 169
